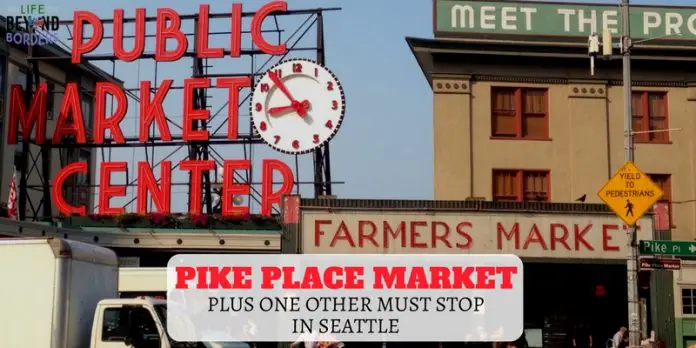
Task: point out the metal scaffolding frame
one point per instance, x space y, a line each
34 159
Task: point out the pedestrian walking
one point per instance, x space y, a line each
315 340
620 339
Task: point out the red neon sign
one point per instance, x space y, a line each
31 118
168 26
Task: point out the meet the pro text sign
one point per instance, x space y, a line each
546 19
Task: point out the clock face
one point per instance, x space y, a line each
297 106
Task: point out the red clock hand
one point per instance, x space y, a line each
276 80
302 108
299 108
280 109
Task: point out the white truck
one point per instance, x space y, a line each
57 293
142 281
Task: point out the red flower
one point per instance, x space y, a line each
128 218
200 220
236 217
94 217
260 218
158 218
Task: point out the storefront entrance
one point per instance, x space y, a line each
561 296
558 298
575 268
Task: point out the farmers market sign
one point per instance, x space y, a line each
556 19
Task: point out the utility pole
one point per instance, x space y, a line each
632 262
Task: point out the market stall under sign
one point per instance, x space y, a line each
555 19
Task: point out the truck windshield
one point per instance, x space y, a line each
162 313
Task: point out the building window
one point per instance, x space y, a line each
521 185
688 297
87 98
87 112
519 113
664 182
20 77
76 189
83 178
3 88
50 98
19 74
649 117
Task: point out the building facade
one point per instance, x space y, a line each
519 117
685 304
55 72
573 254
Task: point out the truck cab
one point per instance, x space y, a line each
142 281
124 322
142 322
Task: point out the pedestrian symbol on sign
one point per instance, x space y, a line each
630 193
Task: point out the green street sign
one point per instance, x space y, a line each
668 247
531 18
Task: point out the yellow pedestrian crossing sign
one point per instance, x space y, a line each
630 193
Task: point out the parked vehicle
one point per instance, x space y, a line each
59 293
142 281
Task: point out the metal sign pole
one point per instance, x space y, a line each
632 262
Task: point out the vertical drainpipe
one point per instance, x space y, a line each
471 140
4 82
608 125
662 299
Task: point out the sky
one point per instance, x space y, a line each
384 147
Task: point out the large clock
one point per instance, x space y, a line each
297 106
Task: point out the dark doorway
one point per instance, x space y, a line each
558 297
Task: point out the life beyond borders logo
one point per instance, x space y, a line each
347 298
32 16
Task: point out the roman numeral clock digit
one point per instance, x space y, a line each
297 106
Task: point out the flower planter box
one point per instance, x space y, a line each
249 223
190 225
140 224
85 221
268 224
227 225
